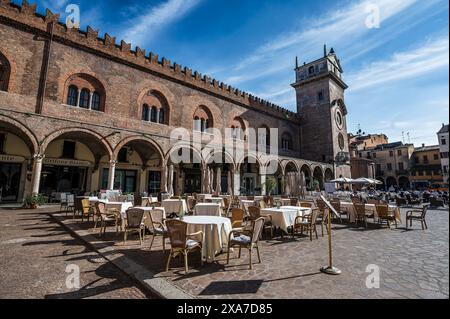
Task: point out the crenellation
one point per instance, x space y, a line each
90 38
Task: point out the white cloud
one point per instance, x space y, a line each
430 56
151 22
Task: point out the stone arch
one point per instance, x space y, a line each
241 161
381 186
318 175
82 134
204 115
135 140
291 166
391 181
17 128
306 169
227 158
195 153
328 175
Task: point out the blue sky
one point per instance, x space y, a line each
398 73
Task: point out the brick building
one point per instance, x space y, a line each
444 140
426 168
80 113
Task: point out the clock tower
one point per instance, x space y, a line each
321 105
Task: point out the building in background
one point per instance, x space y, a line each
362 166
426 167
443 144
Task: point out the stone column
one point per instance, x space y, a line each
237 183
164 172
79 98
37 169
112 174
143 186
90 100
262 174
157 115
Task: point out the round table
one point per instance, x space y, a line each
216 231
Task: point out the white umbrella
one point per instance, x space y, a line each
343 180
218 181
170 181
230 184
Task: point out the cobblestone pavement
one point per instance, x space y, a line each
413 264
34 254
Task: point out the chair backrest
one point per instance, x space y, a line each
360 208
85 205
373 201
237 217
254 212
425 210
336 203
122 198
78 204
294 202
70 199
306 205
226 202
258 225
382 210
321 205
191 202
262 204
145 202
63 197
100 208
177 233
315 213
134 217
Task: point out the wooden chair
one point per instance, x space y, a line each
306 205
158 228
134 223
145 202
86 210
249 241
237 218
111 216
227 206
419 215
383 214
255 213
294 202
63 202
181 242
336 203
306 223
323 215
360 210
78 207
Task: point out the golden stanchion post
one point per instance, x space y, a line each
330 269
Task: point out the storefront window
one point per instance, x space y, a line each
65 179
124 180
154 182
9 181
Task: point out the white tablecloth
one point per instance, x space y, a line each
207 209
370 209
216 231
285 216
245 204
173 205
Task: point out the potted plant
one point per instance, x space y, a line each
35 200
271 184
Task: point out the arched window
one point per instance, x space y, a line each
84 98
5 70
202 119
96 101
145 113
72 96
85 91
161 116
286 142
238 129
154 114
264 136
159 111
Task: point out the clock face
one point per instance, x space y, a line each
339 119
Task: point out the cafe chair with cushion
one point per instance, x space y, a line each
86 210
336 203
418 215
322 215
134 223
383 215
255 213
361 215
158 228
237 219
306 223
182 243
108 216
248 241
